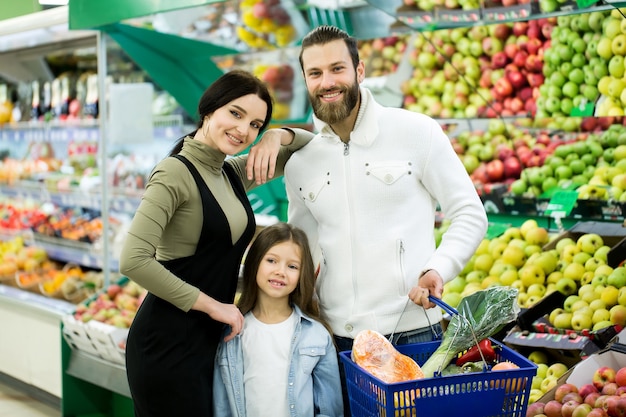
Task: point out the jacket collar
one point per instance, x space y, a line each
366 126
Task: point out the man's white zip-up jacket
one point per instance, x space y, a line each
368 207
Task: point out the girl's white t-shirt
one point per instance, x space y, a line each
266 357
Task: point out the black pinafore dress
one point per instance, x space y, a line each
170 353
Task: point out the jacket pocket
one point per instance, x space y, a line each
309 357
388 172
311 191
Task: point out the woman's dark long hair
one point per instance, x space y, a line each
229 87
304 294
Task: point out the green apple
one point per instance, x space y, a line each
562 243
592 264
556 370
514 255
569 302
581 258
457 284
563 321
589 242
542 368
602 325
475 276
621 296
483 262
536 289
531 274
548 383
600 315
508 277
554 313
617 278
539 357
547 261
581 321
566 286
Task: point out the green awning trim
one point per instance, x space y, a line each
181 66
92 14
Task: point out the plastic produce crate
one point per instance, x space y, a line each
481 394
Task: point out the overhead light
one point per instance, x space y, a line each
53 2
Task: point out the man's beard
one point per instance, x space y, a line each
336 112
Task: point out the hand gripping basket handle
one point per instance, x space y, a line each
452 311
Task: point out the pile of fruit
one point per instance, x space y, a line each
602 396
116 306
547 376
382 55
574 267
279 79
265 24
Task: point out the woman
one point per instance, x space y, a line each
185 246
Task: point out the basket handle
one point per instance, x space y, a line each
442 304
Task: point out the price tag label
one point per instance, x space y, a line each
561 203
582 4
586 109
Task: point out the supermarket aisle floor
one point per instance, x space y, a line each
14 403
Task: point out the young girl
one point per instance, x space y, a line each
284 362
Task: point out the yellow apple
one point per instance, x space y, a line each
496 247
589 242
600 315
563 243
483 262
528 225
513 255
531 274
581 321
574 271
536 236
618 314
569 302
610 296
563 321
556 370
547 261
567 255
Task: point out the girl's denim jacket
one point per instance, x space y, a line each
314 386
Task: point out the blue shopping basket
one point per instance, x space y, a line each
502 393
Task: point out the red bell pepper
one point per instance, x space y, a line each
473 353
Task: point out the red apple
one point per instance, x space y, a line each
597 412
510 49
546 30
620 375
552 408
535 79
517 79
582 410
572 396
499 60
616 406
520 59
564 389
609 388
495 170
587 389
534 409
602 376
503 87
520 28
568 408
592 398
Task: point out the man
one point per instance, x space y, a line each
365 190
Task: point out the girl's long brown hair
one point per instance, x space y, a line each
304 294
